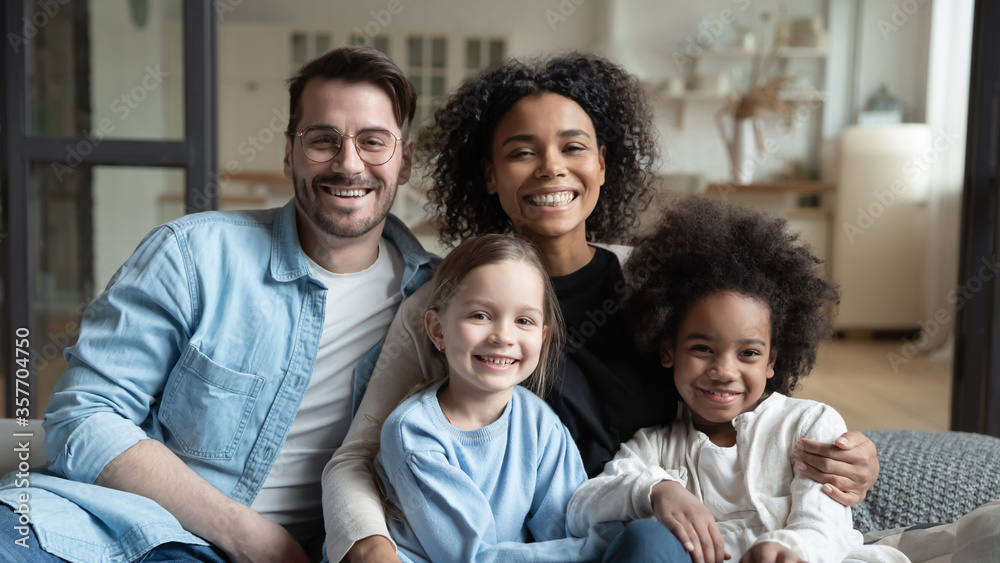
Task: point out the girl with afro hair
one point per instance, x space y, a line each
562 152
736 308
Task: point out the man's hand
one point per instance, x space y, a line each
770 552
256 539
373 549
150 469
846 469
689 520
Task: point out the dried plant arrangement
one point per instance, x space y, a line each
745 109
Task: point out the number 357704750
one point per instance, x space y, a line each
22 383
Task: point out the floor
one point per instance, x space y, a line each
857 378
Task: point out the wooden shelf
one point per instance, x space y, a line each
788 52
786 187
277 185
269 178
694 95
798 95
255 201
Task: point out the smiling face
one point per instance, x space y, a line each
345 197
491 330
722 359
547 168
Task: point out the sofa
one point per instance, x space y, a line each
937 497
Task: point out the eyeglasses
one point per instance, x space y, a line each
322 144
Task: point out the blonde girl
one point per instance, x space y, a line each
480 468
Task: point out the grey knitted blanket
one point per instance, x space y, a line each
929 477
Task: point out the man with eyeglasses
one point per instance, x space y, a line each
230 341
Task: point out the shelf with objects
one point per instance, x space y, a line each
763 88
798 82
793 51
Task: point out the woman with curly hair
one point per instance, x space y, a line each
562 152
737 311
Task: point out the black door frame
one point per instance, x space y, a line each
196 154
976 381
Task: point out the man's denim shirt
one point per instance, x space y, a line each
205 340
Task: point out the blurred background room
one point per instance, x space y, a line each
847 117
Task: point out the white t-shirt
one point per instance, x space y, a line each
723 487
359 308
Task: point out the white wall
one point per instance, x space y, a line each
894 47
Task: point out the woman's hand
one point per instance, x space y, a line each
373 549
770 552
689 520
846 468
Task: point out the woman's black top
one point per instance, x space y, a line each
604 391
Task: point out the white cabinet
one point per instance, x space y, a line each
880 235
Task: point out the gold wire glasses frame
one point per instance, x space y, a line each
323 144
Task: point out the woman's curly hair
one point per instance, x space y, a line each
461 139
702 247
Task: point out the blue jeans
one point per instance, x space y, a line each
646 541
10 551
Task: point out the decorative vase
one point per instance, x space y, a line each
742 147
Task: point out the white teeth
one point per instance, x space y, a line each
499 362
348 193
552 200
721 393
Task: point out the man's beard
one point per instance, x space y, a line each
340 223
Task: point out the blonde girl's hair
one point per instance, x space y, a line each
483 250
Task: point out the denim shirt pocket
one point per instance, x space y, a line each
206 406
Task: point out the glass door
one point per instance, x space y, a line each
108 129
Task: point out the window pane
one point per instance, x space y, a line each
322 43
438 52
300 49
111 65
472 55
418 85
420 115
379 42
415 51
87 222
437 86
496 52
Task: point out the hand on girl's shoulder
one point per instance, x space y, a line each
815 420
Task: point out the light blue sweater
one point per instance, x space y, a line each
482 495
